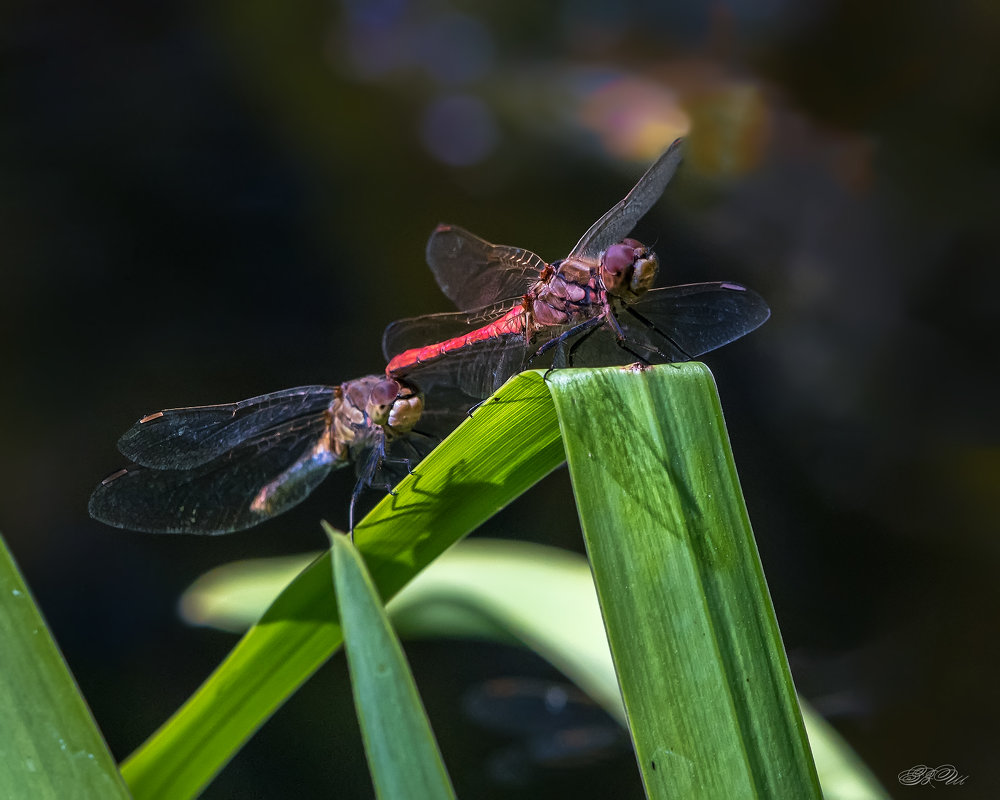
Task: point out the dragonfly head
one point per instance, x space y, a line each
395 405
628 269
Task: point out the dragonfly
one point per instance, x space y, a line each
222 468
595 307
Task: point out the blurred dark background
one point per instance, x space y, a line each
204 202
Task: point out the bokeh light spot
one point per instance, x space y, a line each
459 130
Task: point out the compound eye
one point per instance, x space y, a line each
618 258
384 393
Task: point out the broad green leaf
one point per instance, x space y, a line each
702 670
515 592
467 479
403 755
544 598
50 746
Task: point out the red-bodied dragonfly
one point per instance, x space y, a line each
223 468
516 306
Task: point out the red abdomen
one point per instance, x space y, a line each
513 322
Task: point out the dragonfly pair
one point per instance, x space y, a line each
223 468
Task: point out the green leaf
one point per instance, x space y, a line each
516 592
49 743
702 670
544 598
403 755
467 479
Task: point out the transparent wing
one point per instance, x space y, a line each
219 496
428 331
697 317
473 273
476 370
182 438
445 408
416 333
619 221
676 323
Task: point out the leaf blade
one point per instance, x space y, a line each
50 746
696 646
402 753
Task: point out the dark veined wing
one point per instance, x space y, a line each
676 323
182 438
224 494
473 273
445 408
619 221
477 370
417 333
699 317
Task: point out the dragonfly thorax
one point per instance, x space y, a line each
570 292
628 269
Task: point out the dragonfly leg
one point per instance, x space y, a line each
406 462
374 458
584 330
358 488
591 324
415 455
573 347
477 405
622 340
652 326
566 360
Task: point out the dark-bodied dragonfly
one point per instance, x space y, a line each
596 307
223 468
